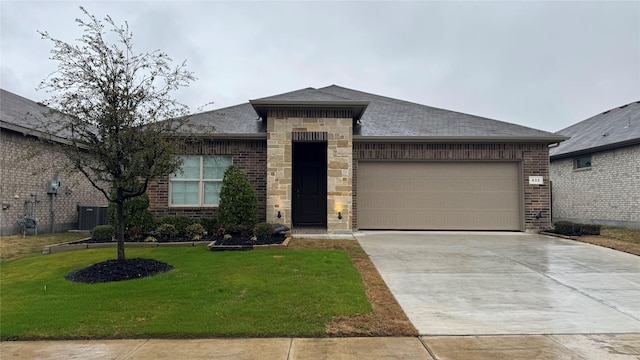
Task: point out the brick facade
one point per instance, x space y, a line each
249 155
534 160
26 167
607 193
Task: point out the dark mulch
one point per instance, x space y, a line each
115 270
243 240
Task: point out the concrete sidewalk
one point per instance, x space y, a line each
524 347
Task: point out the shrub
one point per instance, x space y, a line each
179 222
589 229
263 229
195 231
238 204
167 230
103 232
210 224
574 229
137 217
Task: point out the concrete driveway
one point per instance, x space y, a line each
453 283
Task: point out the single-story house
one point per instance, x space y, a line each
596 173
33 180
338 160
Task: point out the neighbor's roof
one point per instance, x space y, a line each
613 128
26 116
383 119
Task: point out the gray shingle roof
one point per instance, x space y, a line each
383 118
614 128
308 94
21 114
392 117
28 117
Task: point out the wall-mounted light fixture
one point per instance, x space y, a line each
279 214
339 215
5 206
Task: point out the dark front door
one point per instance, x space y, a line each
309 184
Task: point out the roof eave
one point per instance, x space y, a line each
460 139
225 136
35 133
596 149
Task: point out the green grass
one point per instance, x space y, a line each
628 235
217 294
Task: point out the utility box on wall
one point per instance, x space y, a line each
91 216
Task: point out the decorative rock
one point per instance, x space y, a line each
280 229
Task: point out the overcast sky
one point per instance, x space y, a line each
546 65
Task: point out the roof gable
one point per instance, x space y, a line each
613 128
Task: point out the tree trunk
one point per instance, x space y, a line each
120 223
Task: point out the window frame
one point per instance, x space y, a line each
200 180
577 161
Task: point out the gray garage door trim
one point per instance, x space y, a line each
456 195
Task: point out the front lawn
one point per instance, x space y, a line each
207 294
16 246
623 234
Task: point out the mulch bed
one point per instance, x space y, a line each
220 240
118 270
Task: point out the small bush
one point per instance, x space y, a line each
263 229
167 230
103 232
210 224
179 222
573 229
196 231
220 231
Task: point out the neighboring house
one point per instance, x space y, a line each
596 173
27 167
337 160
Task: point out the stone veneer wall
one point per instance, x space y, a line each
249 155
533 157
26 167
338 125
607 193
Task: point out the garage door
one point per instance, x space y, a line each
439 195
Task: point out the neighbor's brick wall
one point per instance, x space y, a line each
534 159
249 155
26 167
607 192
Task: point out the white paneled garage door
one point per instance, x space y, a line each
439 195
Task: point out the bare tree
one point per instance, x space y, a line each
120 117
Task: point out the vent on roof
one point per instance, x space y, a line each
605 134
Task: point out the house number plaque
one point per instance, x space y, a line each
536 180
